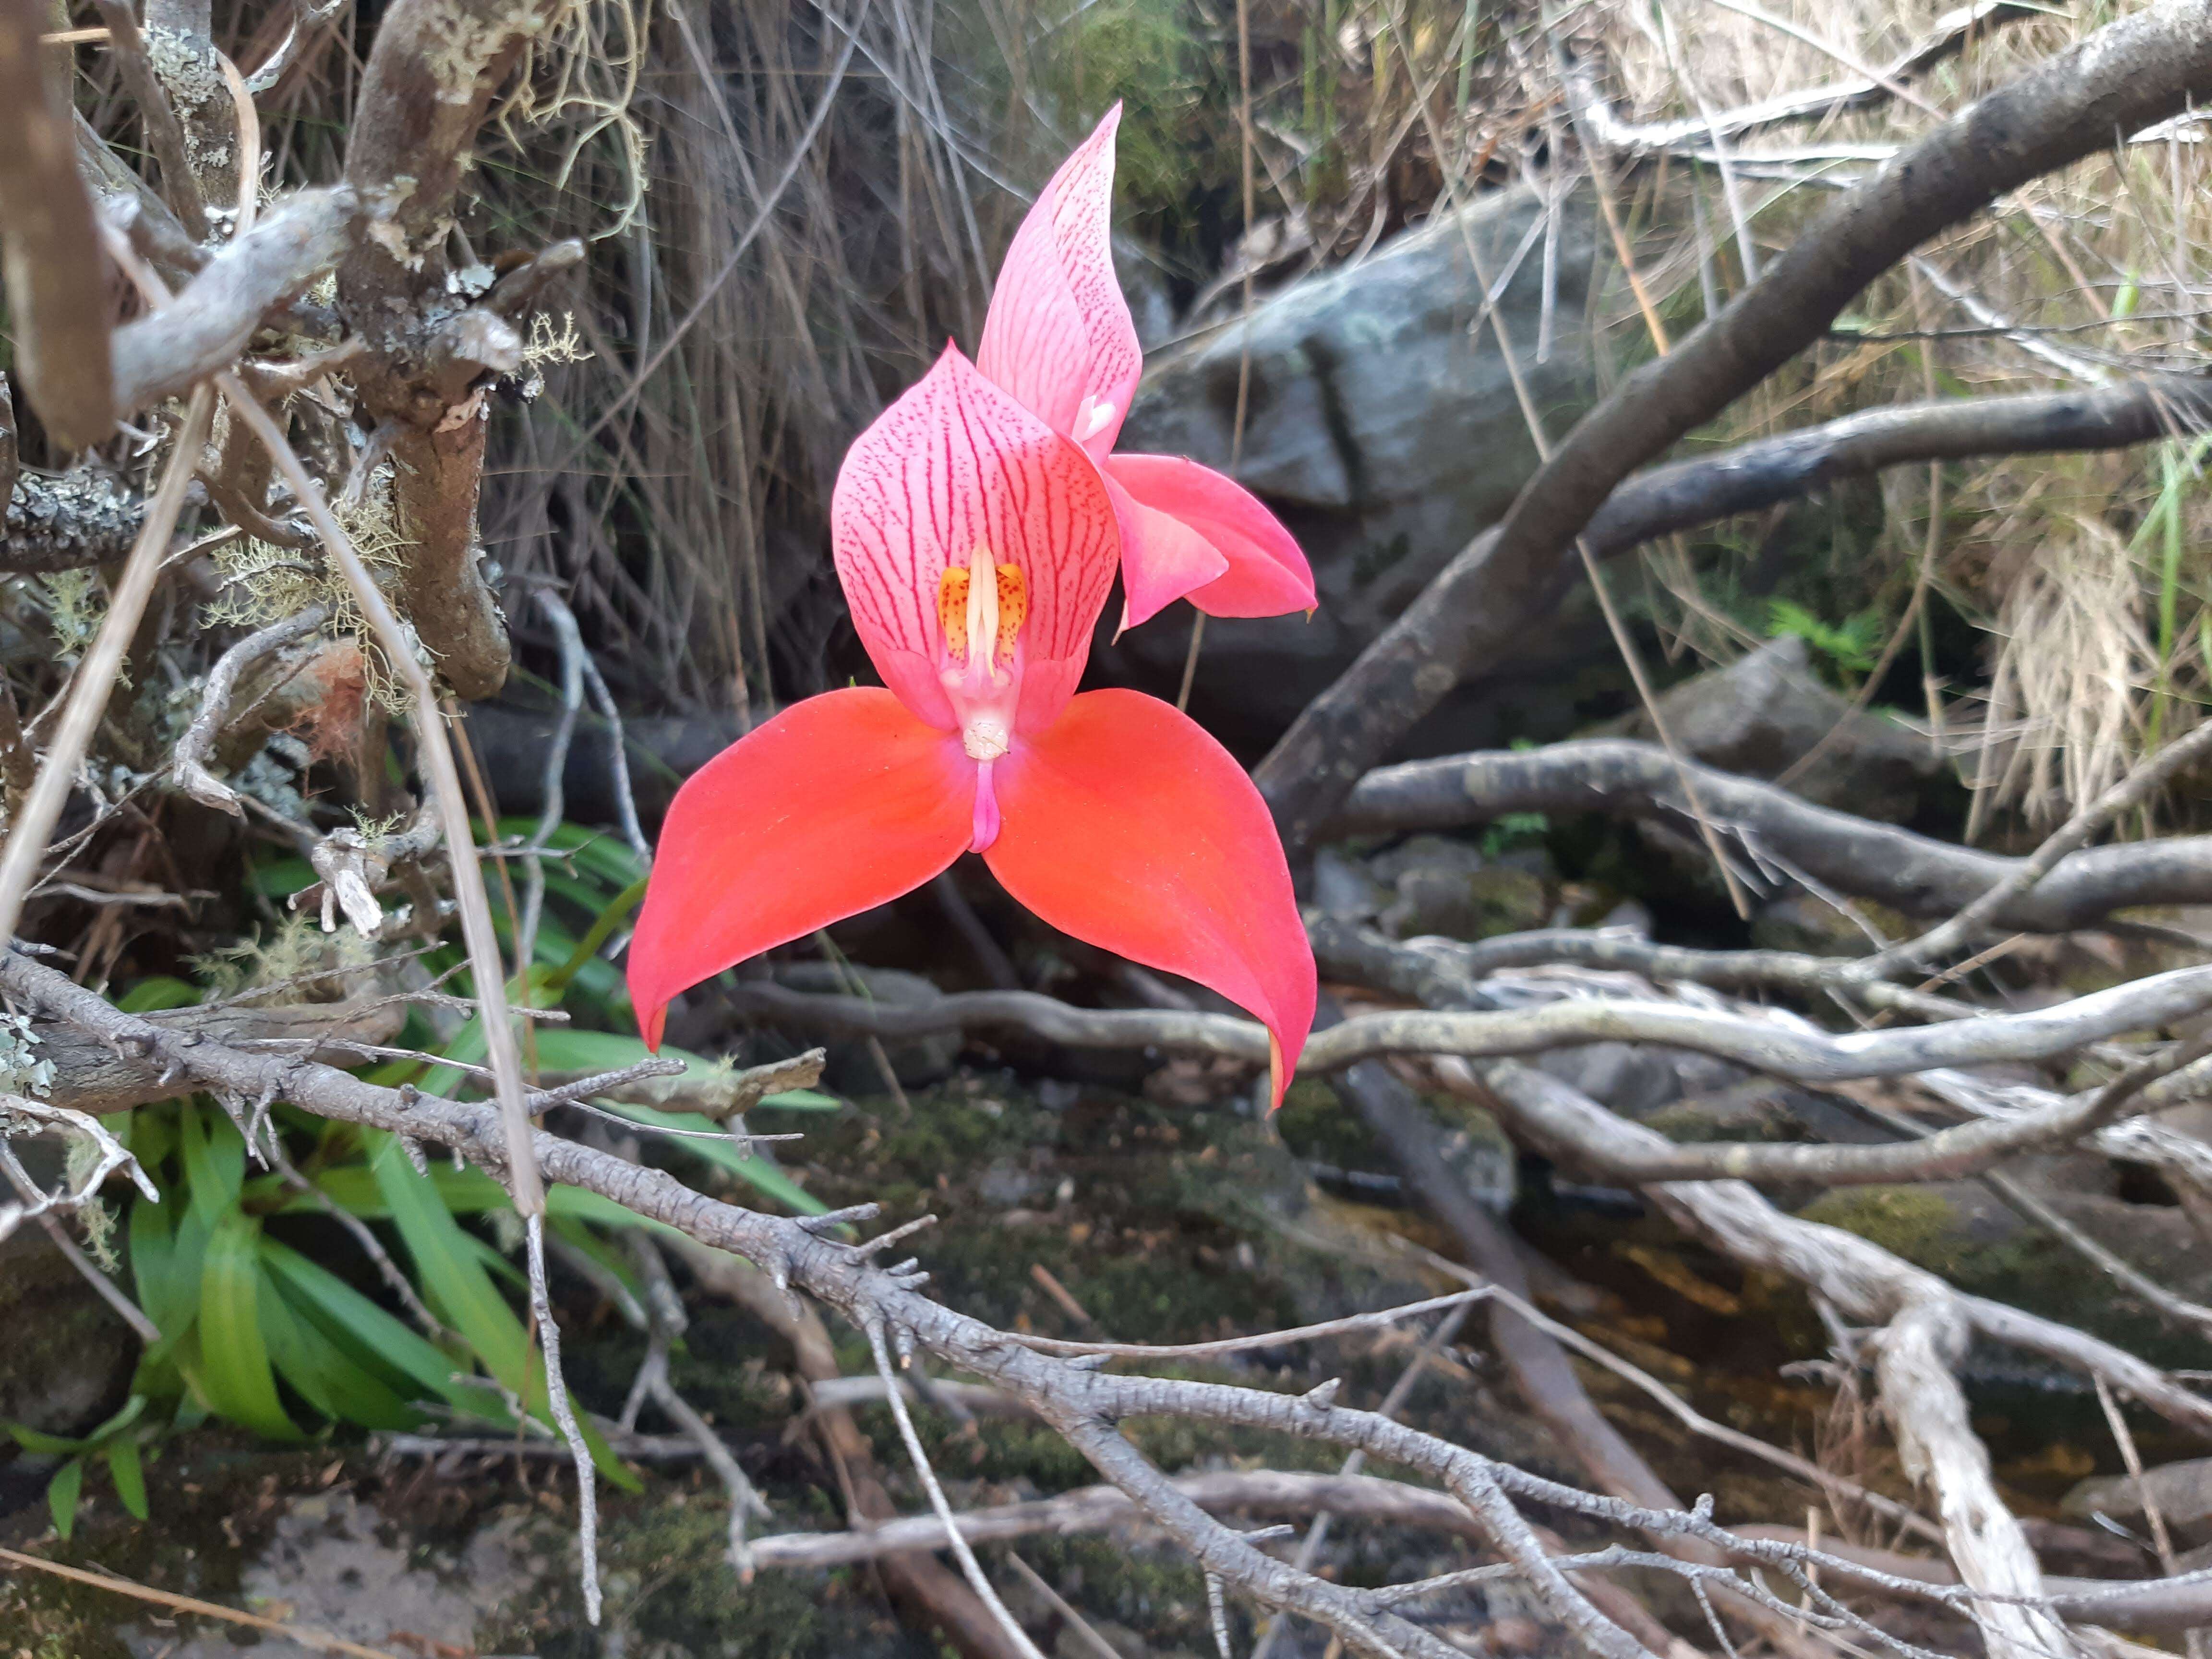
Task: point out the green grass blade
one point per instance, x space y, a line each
233 1371
62 1493
129 1474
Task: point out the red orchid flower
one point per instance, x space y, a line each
1058 337
976 547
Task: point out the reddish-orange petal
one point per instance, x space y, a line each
1127 826
839 804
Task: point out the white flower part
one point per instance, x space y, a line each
1093 419
985 739
982 610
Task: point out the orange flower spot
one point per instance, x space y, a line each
1013 609
952 610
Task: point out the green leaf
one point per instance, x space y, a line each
801 1100
161 991
128 1475
132 1409
353 1188
234 1372
332 1381
356 1321
612 916
215 1162
452 1273
165 1267
33 1440
62 1493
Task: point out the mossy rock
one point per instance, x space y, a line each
1966 1233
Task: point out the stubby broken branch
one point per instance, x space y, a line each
210 322
50 256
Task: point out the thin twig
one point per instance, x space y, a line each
564 1414
110 1293
969 1566
191 1604
94 679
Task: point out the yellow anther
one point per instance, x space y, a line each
952 610
981 617
1013 609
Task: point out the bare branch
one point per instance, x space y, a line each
189 764
1907 872
486 969
180 38
430 79
31 828
1107 1509
1944 38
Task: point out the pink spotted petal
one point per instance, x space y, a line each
1263 573
954 466
1058 335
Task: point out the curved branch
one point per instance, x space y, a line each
431 77
1906 871
1788 1048
794 1252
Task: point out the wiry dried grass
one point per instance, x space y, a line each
2087 576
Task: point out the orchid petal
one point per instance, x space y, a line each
839 804
1162 558
954 466
1058 335
1262 572
1127 826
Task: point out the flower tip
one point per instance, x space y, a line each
1279 1074
652 1026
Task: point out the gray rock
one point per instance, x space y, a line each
1381 424
69 1359
2182 1491
1799 921
331 1567
917 1061
1433 884
1759 716
1636 1078
1346 888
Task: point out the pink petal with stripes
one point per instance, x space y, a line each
1058 335
956 465
1180 505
